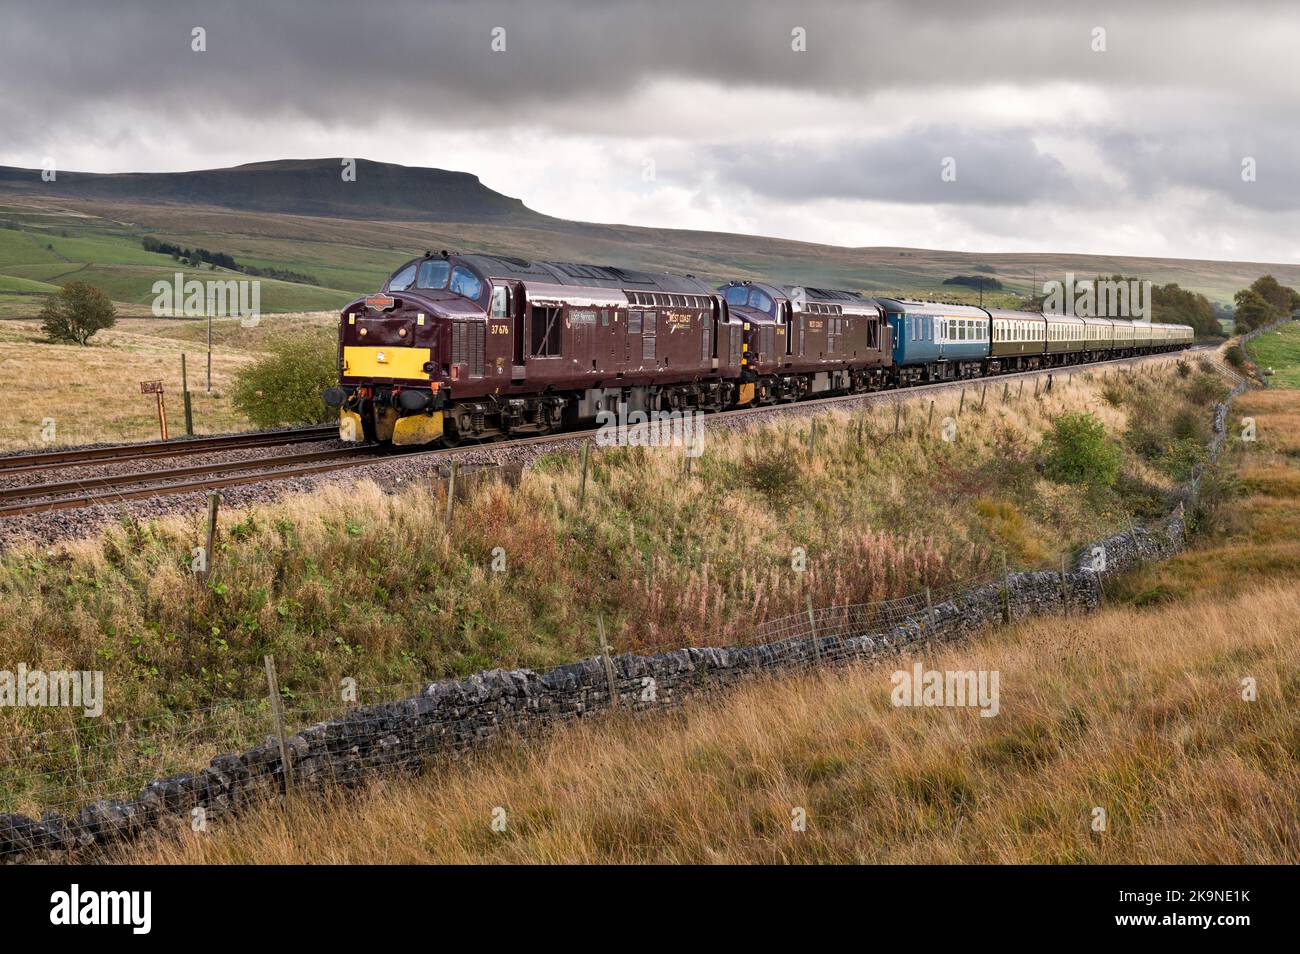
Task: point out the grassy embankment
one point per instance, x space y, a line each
362 583
1138 710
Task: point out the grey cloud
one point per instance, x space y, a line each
1003 170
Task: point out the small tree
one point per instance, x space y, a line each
1077 451
284 386
76 313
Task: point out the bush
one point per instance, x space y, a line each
773 473
76 313
1235 356
284 386
1077 451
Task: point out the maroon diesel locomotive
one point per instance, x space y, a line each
801 341
481 346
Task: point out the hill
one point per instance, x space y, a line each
293 186
299 216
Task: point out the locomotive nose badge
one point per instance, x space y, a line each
379 356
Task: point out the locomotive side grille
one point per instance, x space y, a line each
467 345
648 336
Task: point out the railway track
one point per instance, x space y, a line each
71 494
183 447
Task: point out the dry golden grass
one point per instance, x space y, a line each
1138 712
93 393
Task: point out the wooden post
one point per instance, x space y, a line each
929 607
812 439
162 415
451 492
1035 386
273 688
1006 391
929 419
962 403
1065 593
609 663
214 503
1006 586
209 352
984 390
582 485
898 409
812 629
185 398
1021 391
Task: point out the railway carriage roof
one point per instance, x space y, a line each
586 276
909 307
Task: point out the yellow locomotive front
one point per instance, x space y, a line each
390 380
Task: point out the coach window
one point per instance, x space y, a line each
433 273
466 283
402 280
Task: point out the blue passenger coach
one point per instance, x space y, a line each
935 341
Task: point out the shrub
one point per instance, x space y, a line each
773 473
1235 356
284 386
1077 451
76 313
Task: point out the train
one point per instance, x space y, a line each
459 347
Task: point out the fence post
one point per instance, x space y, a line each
929 419
929 607
1006 391
812 439
984 390
962 403
898 409
609 663
582 484
185 398
1065 593
209 553
273 688
1021 391
1006 587
812 629
451 492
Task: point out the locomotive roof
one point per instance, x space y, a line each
823 295
586 276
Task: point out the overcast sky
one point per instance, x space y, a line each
701 115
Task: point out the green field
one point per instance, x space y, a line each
1279 350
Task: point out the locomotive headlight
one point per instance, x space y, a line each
401 333
362 332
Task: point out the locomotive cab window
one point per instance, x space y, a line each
433 273
466 283
402 280
501 303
